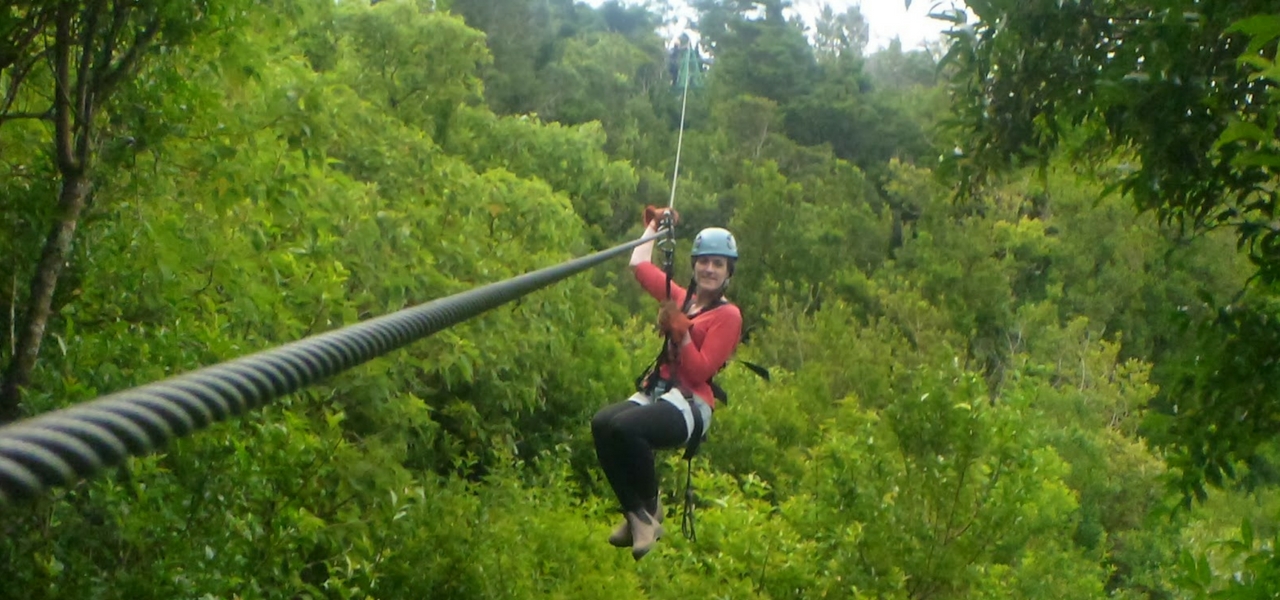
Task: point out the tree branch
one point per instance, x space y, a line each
62 95
85 83
122 67
11 54
16 76
119 19
40 116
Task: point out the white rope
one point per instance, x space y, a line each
684 99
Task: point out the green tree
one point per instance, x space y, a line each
840 36
1171 86
960 391
767 56
1167 99
892 68
65 62
390 43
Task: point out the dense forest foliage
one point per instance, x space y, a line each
1019 294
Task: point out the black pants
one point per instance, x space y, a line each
626 434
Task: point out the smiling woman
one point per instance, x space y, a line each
673 403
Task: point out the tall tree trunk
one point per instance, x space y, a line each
57 248
97 44
73 106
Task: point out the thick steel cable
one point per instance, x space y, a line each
60 447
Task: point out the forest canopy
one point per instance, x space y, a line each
1017 290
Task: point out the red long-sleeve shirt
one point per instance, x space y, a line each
714 336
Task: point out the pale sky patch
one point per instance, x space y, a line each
886 19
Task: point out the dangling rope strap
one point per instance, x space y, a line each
60 447
690 451
686 516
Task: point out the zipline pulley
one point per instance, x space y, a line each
668 246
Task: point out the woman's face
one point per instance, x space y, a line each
711 272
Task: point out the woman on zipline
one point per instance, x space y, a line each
674 401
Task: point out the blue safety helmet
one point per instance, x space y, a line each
714 241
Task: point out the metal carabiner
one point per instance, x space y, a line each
668 242
668 223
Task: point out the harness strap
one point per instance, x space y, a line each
687 526
699 432
690 499
650 380
646 380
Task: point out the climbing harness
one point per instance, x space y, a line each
652 383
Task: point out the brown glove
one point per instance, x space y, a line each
673 321
652 213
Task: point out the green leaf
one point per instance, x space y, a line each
1261 29
1241 130
1257 159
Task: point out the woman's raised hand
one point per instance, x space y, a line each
672 320
654 214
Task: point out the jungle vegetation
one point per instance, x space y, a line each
1019 293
